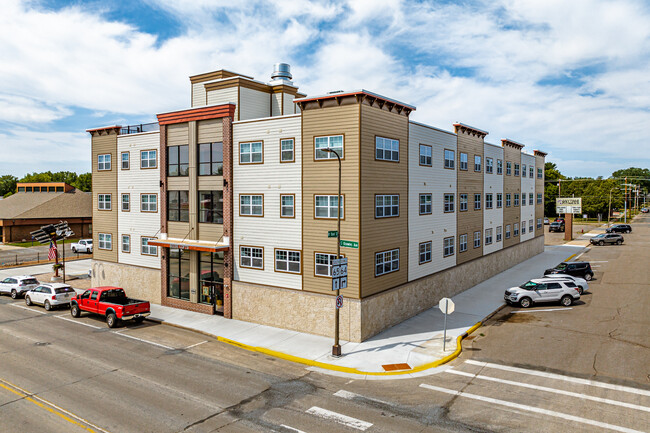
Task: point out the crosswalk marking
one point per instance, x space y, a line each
351 395
291 428
519 406
560 377
553 390
337 417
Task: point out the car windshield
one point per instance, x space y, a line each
64 290
89 241
561 266
529 285
602 235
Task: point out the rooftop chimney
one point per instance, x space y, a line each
281 74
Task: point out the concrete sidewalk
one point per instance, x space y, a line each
416 341
73 267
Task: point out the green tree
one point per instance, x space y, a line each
84 182
7 185
552 176
639 176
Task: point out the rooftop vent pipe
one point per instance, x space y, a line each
281 71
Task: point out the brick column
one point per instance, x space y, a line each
164 256
229 262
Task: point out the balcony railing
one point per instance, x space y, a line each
143 127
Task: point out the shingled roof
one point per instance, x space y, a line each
30 205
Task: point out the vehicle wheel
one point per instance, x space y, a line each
74 250
601 243
619 242
588 277
566 300
47 305
28 301
14 294
627 231
74 311
138 320
525 302
111 320
580 290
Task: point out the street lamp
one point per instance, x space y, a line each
336 348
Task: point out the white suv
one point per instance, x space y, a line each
50 295
543 290
580 282
17 286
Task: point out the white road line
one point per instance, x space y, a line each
541 311
341 419
553 390
143 341
519 406
351 396
78 322
560 377
291 428
28 309
599 261
197 344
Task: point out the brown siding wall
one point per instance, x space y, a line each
539 188
105 182
470 182
512 186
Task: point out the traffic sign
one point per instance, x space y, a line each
332 234
446 305
339 301
341 261
349 244
339 271
344 283
335 284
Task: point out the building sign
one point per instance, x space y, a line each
568 205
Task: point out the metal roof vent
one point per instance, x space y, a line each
281 74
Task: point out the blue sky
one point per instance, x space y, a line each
569 78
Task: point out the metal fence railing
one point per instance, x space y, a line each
11 260
142 127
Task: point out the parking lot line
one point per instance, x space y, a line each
291 428
538 311
67 319
28 309
141 340
197 344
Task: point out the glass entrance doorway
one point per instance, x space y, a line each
211 280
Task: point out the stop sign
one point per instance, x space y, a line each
446 305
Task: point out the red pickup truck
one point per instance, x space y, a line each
110 302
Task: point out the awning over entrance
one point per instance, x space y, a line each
188 244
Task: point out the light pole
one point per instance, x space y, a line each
336 348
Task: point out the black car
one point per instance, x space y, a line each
607 238
619 228
556 226
577 269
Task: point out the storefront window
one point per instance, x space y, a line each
179 274
211 279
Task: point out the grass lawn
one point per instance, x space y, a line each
36 243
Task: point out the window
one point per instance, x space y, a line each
477 163
449 203
386 149
539 198
507 231
425 252
425 204
178 206
523 170
477 239
532 171
449 158
148 159
508 168
104 162
462 243
386 206
250 153
425 155
333 142
211 158
386 262
251 257
126 243
105 241
462 202
448 246
287 206
531 199
125 161
539 223
178 161
499 200
523 228
477 201
146 249
286 150
287 261
530 226
327 206
523 199
149 203
516 169
178 271
488 236
104 201
499 166
323 266
126 202
211 207
499 233
489 165
211 277
515 230
463 161
516 199
488 201
540 174
508 200
251 205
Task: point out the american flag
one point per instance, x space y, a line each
51 255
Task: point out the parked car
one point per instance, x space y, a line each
619 228
607 238
559 220
556 226
580 282
645 210
83 246
50 295
546 221
17 286
112 303
576 269
543 290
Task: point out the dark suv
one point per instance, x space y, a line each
577 269
619 228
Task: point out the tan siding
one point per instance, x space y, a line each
210 232
470 182
177 229
105 182
210 131
180 183
198 95
210 183
177 134
512 186
224 96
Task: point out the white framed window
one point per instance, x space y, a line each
489 165
523 199
148 159
488 201
146 249
287 150
425 155
477 239
499 166
104 201
251 153
507 231
539 223
449 158
331 141
508 168
126 202
523 228
532 171
499 200
516 169
125 161
126 243
540 173
531 226
539 198
488 236
516 199
287 261
462 243
499 228
477 201
251 257
386 262
531 199
515 229
463 161
477 163
462 202
327 206
386 149
251 205
386 206
104 162
287 209
448 246
425 252
149 203
449 203
508 203
425 204
323 264
105 241
523 170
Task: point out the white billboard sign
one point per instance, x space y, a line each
568 205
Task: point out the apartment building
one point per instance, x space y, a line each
247 196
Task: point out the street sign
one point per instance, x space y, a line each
349 244
343 283
339 301
339 271
335 284
332 234
341 261
568 205
446 305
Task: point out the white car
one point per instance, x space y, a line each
83 246
580 282
17 286
543 290
50 295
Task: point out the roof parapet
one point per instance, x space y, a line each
466 129
511 143
540 153
360 94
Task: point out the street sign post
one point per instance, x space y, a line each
447 306
349 244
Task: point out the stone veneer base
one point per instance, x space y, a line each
138 282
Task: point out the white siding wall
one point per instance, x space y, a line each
198 94
276 104
289 106
134 182
528 187
435 180
254 104
271 179
223 96
493 184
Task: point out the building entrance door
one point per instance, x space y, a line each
212 293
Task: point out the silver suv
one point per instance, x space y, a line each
543 290
17 286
